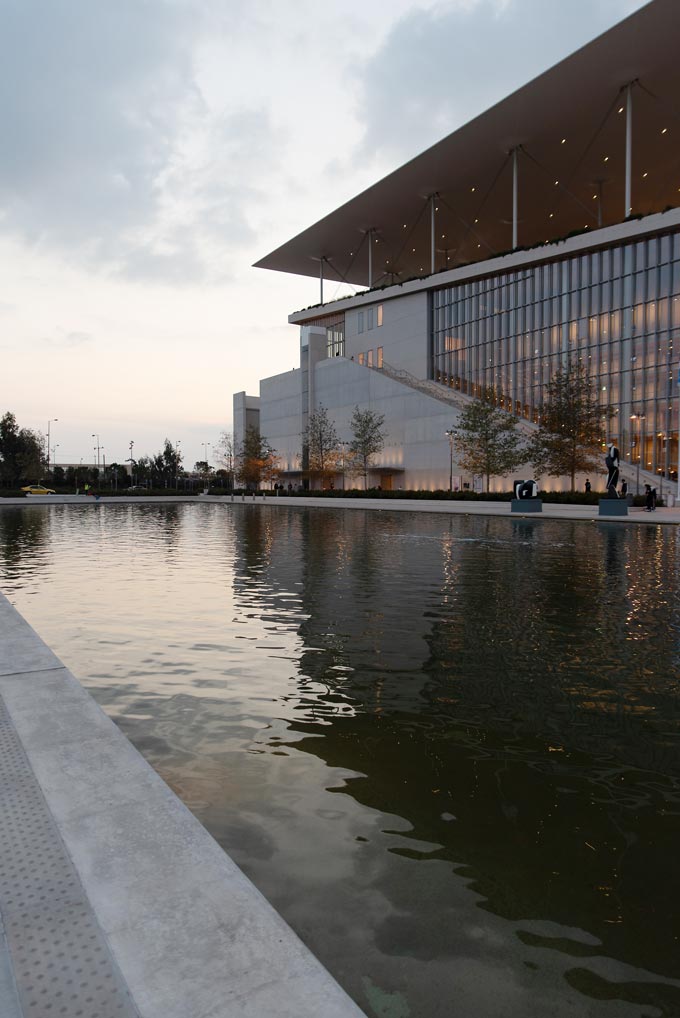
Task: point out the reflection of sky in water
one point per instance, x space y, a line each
446 750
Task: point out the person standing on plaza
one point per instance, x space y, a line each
587 487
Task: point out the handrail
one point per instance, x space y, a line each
460 400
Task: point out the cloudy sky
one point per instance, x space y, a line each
152 150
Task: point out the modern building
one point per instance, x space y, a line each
547 228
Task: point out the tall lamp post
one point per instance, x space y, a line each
52 420
132 463
343 446
450 434
639 418
206 446
98 448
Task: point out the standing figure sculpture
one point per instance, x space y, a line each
612 462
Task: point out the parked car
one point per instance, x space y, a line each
137 487
38 489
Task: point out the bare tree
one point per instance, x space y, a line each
368 439
320 440
224 453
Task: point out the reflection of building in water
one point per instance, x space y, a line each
350 572
501 699
492 621
470 288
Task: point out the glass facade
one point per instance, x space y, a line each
616 310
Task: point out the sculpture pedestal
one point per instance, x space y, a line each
613 507
526 505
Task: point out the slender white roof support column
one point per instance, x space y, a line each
599 202
370 258
515 201
321 261
433 198
629 147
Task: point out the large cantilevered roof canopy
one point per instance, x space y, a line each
563 137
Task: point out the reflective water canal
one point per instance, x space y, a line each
447 750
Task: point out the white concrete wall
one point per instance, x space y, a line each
403 334
415 424
246 415
281 416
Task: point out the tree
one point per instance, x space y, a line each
486 438
225 454
368 439
320 441
21 453
570 425
255 460
167 464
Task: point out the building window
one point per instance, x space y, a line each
610 310
335 341
369 318
362 358
379 315
369 359
360 322
380 356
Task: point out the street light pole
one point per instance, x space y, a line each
206 446
98 449
451 435
52 420
639 418
132 462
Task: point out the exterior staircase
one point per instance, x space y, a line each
459 400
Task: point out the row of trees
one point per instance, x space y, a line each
567 442
323 454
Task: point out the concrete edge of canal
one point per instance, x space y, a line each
113 898
549 511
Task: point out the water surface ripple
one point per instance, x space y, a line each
447 750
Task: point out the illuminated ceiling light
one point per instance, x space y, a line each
594 197
472 189
644 174
551 215
564 141
436 208
479 245
404 225
414 250
556 183
665 130
376 240
443 235
620 109
606 159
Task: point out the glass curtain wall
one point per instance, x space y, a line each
615 310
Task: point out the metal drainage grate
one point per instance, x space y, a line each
62 963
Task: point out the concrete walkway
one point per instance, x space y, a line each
585 513
114 901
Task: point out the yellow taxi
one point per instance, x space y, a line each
38 489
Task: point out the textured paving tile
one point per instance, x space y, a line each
60 960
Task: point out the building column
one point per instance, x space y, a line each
433 234
515 201
629 148
321 261
370 258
